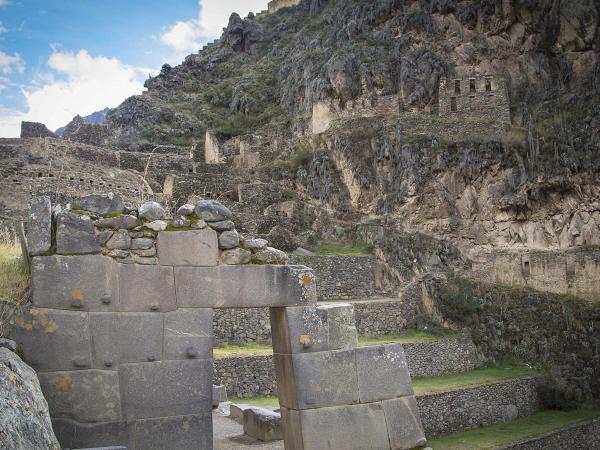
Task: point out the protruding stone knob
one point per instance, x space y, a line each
191 352
80 363
76 304
151 358
108 363
154 307
106 299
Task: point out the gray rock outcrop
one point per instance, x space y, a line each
24 418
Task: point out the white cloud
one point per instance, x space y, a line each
90 84
213 17
3 2
2 28
9 63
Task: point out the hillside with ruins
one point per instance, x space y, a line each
435 162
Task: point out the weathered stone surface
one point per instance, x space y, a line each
24 418
119 241
212 211
224 225
263 424
8 344
73 434
247 286
180 221
219 395
236 411
168 388
157 225
146 288
270 255
125 338
188 248
255 244
102 205
103 236
200 225
145 261
182 433
382 373
304 329
348 427
151 252
186 210
229 240
84 396
315 380
404 423
236 257
120 254
151 211
53 340
141 244
126 222
87 282
188 334
75 235
39 225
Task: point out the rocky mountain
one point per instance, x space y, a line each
96 118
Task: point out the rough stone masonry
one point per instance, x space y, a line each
120 332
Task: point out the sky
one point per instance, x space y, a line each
60 58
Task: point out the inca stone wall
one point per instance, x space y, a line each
120 332
575 272
346 277
478 96
246 376
479 406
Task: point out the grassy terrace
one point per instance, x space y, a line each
13 279
517 430
411 336
343 249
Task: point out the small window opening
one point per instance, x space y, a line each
472 85
453 107
457 86
488 84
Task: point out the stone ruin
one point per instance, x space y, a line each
120 332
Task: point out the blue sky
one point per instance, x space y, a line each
59 58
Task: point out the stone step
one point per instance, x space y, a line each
254 375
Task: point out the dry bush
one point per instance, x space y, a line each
14 279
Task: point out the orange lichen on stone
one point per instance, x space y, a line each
304 339
62 382
307 279
20 322
77 295
185 425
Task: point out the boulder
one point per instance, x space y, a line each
24 418
126 222
180 221
186 210
219 395
270 255
102 205
255 244
263 424
157 225
212 211
151 211
39 225
229 240
75 235
9 344
224 225
236 257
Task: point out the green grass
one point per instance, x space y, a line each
250 349
343 249
409 336
261 402
517 430
476 377
13 278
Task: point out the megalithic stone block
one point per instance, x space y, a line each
73 434
125 338
404 423
248 286
347 427
189 334
146 288
84 396
53 340
87 283
315 380
188 248
39 225
193 432
75 235
305 329
382 373
262 424
165 389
